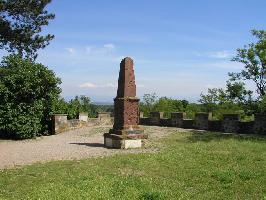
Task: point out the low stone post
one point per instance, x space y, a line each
59 123
83 117
260 124
201 121
230 123
141 114
104 116
177 119
155 118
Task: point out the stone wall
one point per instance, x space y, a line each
60 123
105 117
177 119
203 121
230 124
155 118
260 123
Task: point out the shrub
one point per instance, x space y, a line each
28 91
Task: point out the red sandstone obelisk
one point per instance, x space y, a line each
126 132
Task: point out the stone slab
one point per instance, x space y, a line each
122 144
131 144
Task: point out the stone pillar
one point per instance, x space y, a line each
155 118
141 114
260 124
177 119
83 117
59 123
230 123
125 133
201 121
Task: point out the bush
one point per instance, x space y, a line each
74 107
28 91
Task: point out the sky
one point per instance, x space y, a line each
180 47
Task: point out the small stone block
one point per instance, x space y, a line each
130 144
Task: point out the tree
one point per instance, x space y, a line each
147 104
233 99
28 91
73 108
214 97
86 105
21 22
253 57
168 105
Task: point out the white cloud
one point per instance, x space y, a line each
88 85
109 46
226 65
224 54
100 50
111 85
89 49
140 86
71 50
221 54
108 85
92 85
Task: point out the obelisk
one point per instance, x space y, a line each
125 133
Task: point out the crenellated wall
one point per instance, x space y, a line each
203 121
60 123
155 118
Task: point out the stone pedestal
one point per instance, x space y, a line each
83 117
59 123
126 132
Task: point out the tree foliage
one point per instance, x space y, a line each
168 105
151 102
253 56
28 91
79 104
147 103
21 22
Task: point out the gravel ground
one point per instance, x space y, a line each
72 145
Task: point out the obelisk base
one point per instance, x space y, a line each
125 141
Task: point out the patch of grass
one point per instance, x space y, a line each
191 165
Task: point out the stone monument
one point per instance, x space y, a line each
125 133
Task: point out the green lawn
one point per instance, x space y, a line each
189 166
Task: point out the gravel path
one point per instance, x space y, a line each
71 145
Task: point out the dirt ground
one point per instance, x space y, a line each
72 145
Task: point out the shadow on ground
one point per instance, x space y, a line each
89 144
205 136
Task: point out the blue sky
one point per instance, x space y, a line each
180 47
